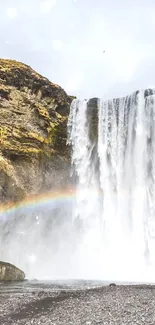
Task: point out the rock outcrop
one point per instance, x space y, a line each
9 272
33 119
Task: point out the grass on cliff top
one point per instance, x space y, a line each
8 65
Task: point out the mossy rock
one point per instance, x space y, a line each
33 128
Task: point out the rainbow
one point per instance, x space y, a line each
45 200
38 201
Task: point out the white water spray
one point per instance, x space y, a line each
108 231
118 240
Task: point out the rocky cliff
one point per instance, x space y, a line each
33 128
33 119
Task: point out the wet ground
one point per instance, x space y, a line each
76 303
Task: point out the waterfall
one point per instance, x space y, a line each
115 196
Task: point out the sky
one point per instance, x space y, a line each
89 47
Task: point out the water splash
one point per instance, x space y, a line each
118 236
107 230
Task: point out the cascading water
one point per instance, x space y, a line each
87 207
107 231
115 202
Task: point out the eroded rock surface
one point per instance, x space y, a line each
33 119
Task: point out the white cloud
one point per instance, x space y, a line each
71 85
123 60
47 5
11 12
57 44
124 66
74 82
152 17
152 86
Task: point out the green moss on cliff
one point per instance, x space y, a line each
33 122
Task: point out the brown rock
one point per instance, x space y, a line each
33 120
9 272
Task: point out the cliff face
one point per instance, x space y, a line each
33 119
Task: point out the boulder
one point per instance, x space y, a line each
9 272
112 284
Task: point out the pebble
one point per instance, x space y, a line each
99 306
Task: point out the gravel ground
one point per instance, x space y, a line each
103 305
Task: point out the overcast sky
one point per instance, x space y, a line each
64 40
